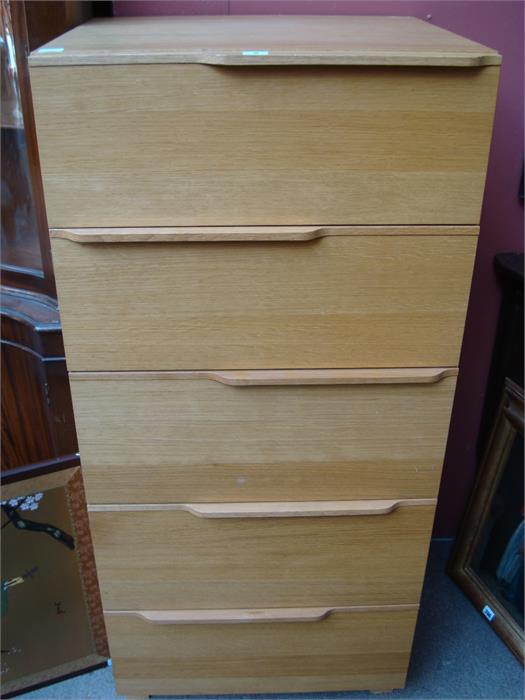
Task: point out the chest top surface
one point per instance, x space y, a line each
261 40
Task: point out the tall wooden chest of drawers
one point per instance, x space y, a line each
263 233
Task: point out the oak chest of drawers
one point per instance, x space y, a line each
263 233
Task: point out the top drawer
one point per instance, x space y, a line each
174 144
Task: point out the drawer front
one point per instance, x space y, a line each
172 436
344 651
261 555
337 301
164 145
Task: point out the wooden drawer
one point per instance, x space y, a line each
349 298
342 651
177 145
184 556
160 437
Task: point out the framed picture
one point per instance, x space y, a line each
487 562
52 621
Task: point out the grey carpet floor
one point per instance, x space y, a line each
456 655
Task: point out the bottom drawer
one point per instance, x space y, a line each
293 650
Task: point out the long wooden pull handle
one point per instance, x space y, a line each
306 509
285 377
203 617
284 509
224 234
276 377
207 617
203 234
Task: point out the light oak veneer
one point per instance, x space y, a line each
157 559
284 40
347 650
334 302
195 145
263 232
154 437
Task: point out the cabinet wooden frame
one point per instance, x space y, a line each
509 423
263 360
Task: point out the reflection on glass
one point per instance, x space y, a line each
498 559
19 229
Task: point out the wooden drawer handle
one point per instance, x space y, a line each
285 509
331 376
224 617
288 377
225 234
196 234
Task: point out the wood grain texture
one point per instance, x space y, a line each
340 301
158 440
487 499
348 650
261 513
307 146
234 617
288 377
284 40
159 560
37 414
181 234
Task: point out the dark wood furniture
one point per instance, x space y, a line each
37 418
39 443
507 355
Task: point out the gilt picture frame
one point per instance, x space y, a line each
487 561
52 625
